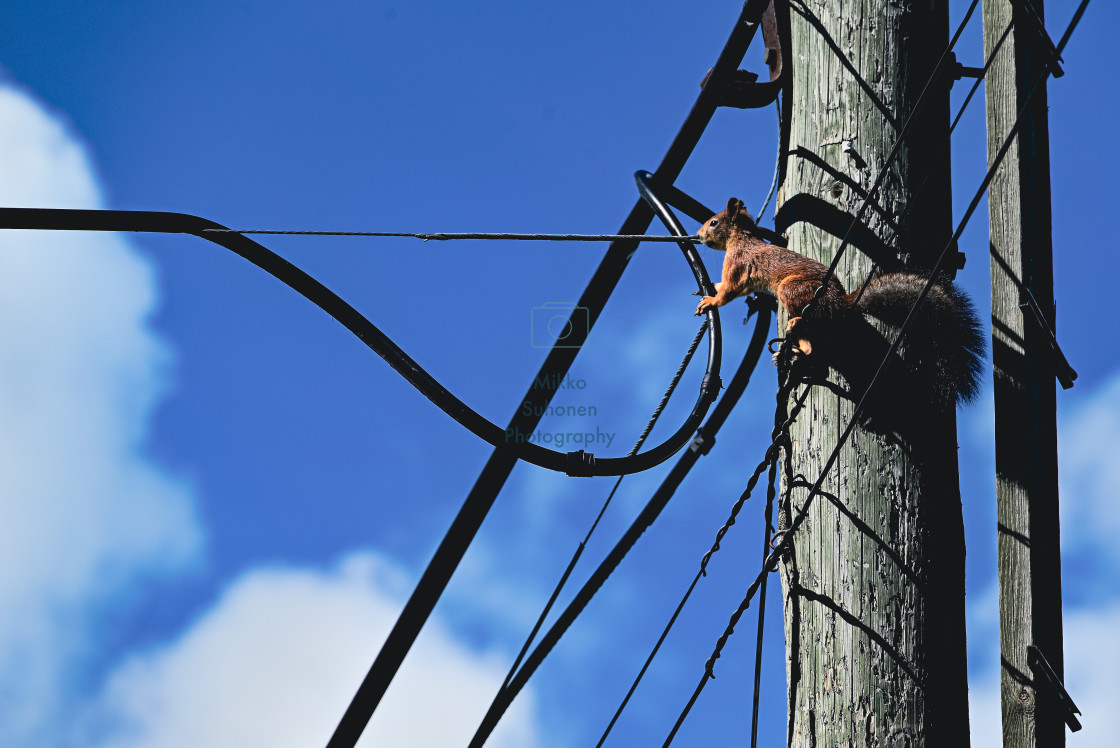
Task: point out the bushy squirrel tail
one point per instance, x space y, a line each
945 338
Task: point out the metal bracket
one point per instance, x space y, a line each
743 91
958 71
1062 370
1039 664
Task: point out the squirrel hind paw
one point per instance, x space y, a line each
792 351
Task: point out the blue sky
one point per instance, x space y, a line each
216 500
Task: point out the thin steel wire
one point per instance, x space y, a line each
771 455
583 544
777 163
767 531
443 237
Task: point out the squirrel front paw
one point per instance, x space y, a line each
706 303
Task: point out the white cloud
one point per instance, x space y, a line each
983 710
277 660
85 513
1089 472
1092 657
87 516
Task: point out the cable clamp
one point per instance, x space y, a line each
1062 370
710 387
1039 664
741 88
579 464
702 443
759 302
756 302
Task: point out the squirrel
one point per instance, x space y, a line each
944 347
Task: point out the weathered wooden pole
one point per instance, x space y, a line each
874 581
1030 587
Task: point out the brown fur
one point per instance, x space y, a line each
945 334
754 265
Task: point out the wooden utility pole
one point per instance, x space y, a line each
874 580
1030 587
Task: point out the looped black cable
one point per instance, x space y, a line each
574 463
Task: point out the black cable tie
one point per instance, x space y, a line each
579 464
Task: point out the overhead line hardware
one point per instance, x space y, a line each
1038 662
958 70
1062 370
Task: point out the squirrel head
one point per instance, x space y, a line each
717 230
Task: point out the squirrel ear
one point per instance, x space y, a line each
735 208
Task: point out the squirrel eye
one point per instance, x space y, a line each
714 222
